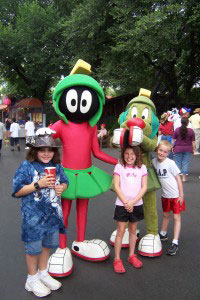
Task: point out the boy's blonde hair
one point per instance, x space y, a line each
165 143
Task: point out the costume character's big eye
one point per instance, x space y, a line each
72 100
86 101
134 112
145 113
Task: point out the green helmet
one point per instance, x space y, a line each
144 100
79 80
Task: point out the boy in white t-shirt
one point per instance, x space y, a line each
172 193
14 135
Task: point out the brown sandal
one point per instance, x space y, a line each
118 266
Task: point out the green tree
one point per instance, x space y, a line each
133 44
87 32
130 44
33 53
160 39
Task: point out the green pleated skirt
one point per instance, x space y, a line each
87 183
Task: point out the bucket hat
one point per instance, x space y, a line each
42 139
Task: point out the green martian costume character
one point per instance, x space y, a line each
143 108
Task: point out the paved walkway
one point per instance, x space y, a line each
160 278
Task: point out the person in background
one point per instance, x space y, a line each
172 193
38 125
195 121
30 131
50 123
14 135
183 113
166 130
102 132
21 121
183 143
7 125
2 134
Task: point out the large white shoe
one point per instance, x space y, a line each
93 250
60 263
125 240
150 245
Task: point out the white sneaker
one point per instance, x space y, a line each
50 282
26 148
38 288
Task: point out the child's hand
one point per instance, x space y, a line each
129 206
47 181
126 206
180 199
59 189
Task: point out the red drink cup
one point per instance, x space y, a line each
51 171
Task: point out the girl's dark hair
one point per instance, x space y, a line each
138 154
183 128
32 155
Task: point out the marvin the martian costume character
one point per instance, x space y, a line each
78 99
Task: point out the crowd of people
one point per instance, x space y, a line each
10 132
182 131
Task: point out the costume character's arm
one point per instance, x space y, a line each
148 144
98 153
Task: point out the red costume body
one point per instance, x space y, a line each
79 141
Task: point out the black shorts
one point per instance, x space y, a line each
122 215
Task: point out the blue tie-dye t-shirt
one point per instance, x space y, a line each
40 210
